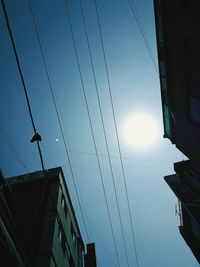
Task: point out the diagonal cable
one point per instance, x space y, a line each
22 80
12 146
144 36
57 114
92 130
103 125
33 124
30 114
117 134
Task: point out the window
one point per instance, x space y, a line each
62 239
167 121
60 235
161 52
62 201
64 205
164 84
73 234
159 23
73 237
162 68
164 90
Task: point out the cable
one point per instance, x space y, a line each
6 62
114 157
104 130
50 156
30 113
144 36
11 145
100 155
91 127
93 229
32 120
101 241
22 80
116 130
11 72
57 113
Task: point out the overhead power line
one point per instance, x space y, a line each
104 129
101 241
57 113
12 146
100 155
22 80
116 130
34 137
92 130
143 33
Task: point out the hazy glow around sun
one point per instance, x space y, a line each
140 130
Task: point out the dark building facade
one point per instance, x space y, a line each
186 186
90 257
38 226
178 42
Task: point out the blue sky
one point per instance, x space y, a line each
135 89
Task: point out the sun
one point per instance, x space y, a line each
140 130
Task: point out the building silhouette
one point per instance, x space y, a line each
186 186
38 226
90 257
178 41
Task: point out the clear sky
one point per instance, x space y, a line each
135 89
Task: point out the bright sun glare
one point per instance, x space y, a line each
140 130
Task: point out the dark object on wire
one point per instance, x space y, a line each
36 137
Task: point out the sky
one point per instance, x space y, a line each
135 89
